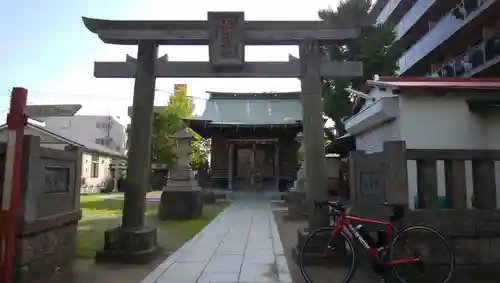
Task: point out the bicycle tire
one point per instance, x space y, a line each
347 239
407 230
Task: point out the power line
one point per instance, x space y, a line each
96 96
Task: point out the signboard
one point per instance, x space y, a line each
227 46
62 110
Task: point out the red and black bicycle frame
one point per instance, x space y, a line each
345 221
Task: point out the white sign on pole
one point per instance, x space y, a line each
62 110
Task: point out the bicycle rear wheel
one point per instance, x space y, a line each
324 258
436 263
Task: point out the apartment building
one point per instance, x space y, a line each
103 130
445 38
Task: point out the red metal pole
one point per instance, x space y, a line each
9 212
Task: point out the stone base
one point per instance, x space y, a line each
180 204
129 246
284 197
314 254
297 208
208 197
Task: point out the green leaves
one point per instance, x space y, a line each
376 50
198 159
165 124
170 121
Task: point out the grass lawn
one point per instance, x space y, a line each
101 213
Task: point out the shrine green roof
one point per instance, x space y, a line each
252 109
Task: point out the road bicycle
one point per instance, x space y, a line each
341 240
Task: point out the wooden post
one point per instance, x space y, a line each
9 213
230 171
116 175
277 164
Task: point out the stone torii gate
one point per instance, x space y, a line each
226 34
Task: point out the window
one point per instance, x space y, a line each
94 167
100 141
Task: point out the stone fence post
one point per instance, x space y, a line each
396 173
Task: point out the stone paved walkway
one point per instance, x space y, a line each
241 245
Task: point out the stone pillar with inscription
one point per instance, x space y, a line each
182 198
297 208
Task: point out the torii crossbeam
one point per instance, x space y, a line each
198 32
173 69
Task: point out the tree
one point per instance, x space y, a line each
376 49
165 124
170 121
198 159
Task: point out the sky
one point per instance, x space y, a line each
46 49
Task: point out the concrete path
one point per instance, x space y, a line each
241 245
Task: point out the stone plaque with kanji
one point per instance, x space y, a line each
227 46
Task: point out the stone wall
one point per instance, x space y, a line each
452 191
46 247
46 235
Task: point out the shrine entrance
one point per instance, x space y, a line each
255 166
226 34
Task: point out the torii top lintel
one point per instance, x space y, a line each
198 32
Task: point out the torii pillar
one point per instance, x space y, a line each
133 242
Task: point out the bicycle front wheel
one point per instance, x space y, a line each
435 263
324 258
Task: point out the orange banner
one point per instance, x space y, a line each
180 89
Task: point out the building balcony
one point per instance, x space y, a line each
413 15
382 110
388 10
478 59
459 17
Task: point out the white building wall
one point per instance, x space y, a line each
84 127
104 173
492 132
428 122
373 140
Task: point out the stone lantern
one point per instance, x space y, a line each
297 207
300 183
181 199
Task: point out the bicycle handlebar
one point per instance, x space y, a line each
336 206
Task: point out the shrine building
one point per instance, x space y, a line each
253 144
